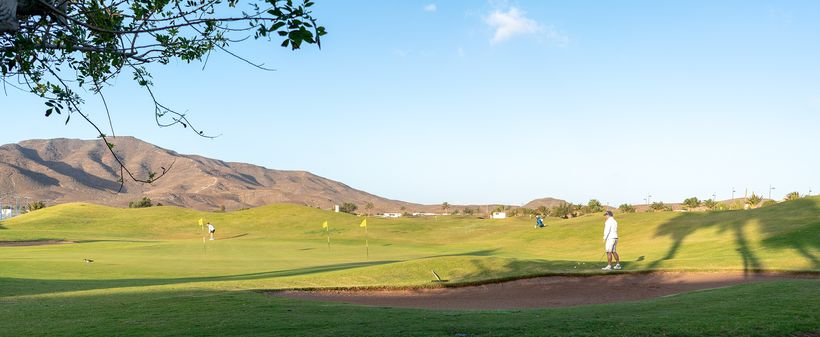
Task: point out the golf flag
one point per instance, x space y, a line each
327 230
200 222
367 247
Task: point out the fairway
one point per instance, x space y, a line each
152 267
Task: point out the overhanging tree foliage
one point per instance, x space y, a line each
60 49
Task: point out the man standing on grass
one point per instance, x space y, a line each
211 230
611 241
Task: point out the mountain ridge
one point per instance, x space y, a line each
62 170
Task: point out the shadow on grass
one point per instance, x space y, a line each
788 225
19 286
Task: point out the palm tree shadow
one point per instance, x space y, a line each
788 225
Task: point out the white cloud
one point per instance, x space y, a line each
514 23
430 8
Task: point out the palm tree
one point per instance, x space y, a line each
445 206
753 200
792 196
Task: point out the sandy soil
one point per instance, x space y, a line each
33 243
543 292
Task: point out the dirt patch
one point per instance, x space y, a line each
33 243
544 292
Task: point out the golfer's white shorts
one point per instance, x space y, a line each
610 245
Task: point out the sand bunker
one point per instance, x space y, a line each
33 243
543 292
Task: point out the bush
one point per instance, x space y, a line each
792 196
348 207
659 206
36 205
144 202
626 208
468 211
768 203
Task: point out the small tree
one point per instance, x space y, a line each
445 206
595 206
468 211
710 204
562 210
36 205
692 202
626 208
144 202
659 206
792 196
753 200
456 212
368 207
348 207
543 210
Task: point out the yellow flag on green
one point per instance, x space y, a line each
364 223
200 222
324 225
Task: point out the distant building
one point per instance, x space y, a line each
6 212
336 208
499 215
392 215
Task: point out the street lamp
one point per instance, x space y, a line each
770 192
733 193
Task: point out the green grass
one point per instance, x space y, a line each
153 273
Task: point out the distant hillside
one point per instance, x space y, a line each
546 202
68 170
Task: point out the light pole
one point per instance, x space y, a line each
770 192
733 193
714 196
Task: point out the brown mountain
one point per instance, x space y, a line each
546 202
67 170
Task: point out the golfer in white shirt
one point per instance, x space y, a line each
211 230
611 241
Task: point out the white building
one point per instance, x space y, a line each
392 215
499 215
6 212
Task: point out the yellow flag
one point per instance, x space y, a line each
364 223
324 225
200 222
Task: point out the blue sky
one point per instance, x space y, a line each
504 102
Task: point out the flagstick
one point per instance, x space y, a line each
365 243
327 229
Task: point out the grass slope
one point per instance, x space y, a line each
153 269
